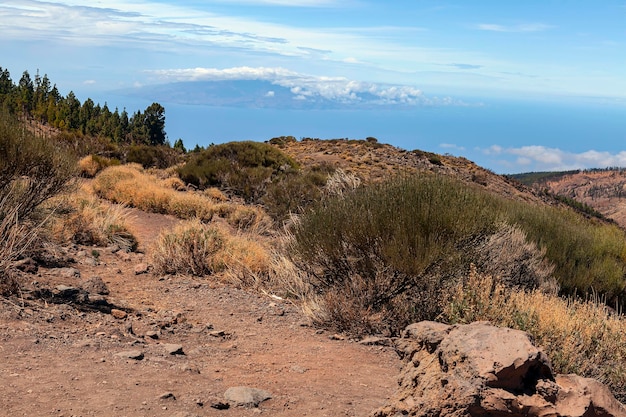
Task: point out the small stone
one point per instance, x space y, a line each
336 337
131 354
118 314
217 333
27 265
65 291
246 396
173 349
113 248
376 341
89 261
298 369
189 368
141 268
95 285
167 396
83 343
68 272
124 256
220 405
152 334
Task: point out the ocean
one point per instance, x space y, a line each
471 131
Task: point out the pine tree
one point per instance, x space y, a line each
154 120
26 93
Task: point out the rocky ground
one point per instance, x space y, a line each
104 336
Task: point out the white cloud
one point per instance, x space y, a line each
89 82
542 158
336 89
451 146
289 3
526 27
163 27
270 94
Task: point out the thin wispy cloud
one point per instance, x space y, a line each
289 3
542 158
466 66
451 147
163 27
525 27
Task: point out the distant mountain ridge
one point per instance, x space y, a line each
268 94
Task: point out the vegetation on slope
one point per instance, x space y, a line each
32 170
531 178
361 259
579 336
41 101
387 250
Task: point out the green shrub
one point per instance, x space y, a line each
150 156
244 168
281 141
295 191
386 251
379 243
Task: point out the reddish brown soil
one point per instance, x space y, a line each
60 359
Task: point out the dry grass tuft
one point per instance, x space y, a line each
250 219
341 182
91 221
191 248
246 261
136 187
215 194
91 165
174 183
199 249
15 238
131 185
582 337
509 256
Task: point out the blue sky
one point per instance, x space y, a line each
483 66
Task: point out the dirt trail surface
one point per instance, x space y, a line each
172 346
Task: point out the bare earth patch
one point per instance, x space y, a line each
172 346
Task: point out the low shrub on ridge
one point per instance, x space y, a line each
387 251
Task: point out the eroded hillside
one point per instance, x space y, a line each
604 190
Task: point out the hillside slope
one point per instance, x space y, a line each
377 161
603 190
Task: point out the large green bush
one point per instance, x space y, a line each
152 156
244 168
387 251
295 191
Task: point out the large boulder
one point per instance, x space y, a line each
481 370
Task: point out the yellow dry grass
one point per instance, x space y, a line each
190 249
156 192
246 260
91 221
582 337
88 167
201 249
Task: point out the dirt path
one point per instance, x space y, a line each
60 360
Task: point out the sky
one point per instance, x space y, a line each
515 86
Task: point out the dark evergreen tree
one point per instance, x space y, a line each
154 120
26 93
180 146
86 116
